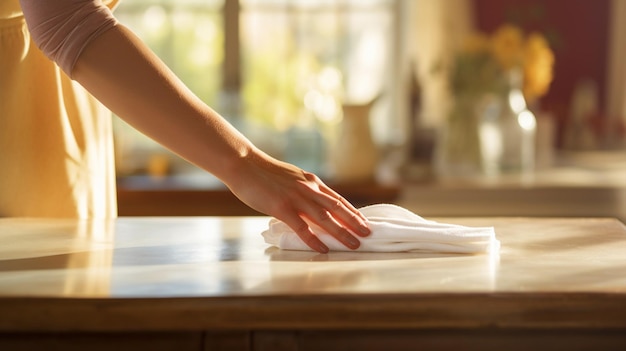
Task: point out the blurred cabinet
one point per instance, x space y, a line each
172 196
590 184
578 185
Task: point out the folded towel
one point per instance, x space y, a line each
395 229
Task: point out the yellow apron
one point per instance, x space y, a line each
56 140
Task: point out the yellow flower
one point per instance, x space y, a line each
538 63
507 46
484 61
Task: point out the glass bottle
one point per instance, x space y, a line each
507 130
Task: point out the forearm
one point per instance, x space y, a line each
153 100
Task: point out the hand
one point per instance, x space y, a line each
294 196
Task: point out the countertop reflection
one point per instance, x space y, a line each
226 256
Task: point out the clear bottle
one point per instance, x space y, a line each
507 130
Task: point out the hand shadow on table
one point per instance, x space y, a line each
277 254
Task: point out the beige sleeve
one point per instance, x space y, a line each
63 28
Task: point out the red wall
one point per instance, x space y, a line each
579 32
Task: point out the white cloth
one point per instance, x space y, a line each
395 229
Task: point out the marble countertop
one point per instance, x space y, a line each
179 272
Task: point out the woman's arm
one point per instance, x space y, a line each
127 77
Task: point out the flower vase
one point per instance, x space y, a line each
507 131
355 159
458 147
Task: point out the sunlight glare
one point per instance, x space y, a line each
154 19
526 120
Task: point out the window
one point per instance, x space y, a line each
271 67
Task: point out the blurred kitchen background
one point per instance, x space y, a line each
446 107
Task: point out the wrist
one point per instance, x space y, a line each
237 168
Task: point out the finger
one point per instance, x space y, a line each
302 229
349 219
323 218
332 193
343 210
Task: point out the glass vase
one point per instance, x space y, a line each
457 154
507 131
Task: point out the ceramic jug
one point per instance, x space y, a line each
355 157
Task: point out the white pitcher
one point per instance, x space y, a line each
355 158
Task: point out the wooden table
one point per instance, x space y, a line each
210 283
